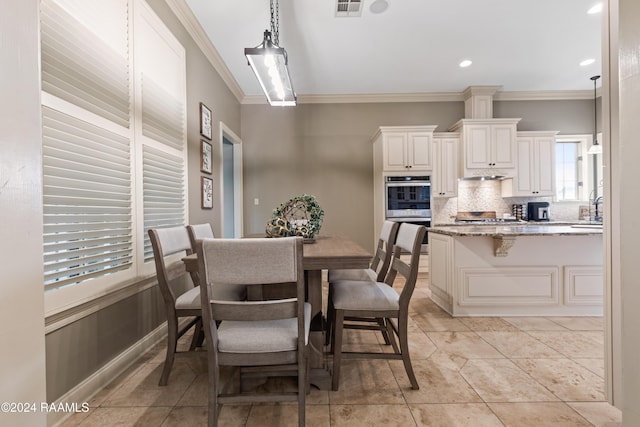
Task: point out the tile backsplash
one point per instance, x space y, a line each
487 196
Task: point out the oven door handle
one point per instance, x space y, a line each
409 184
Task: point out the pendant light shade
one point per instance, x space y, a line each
595 148
269 63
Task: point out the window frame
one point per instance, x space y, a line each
586 168
69 302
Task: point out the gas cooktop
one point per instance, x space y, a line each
488 220
482 217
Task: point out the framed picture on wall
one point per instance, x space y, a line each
205 157
207 192
205 121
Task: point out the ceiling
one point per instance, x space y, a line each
415 46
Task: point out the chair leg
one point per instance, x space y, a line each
383 328
303 380
404 348
198 336
214 384
172 342
330 312
392 337
336 345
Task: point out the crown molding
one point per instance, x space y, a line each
480 90
548 95
366 98
429 97
185 15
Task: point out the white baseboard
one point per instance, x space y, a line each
84 391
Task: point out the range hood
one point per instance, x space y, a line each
484 178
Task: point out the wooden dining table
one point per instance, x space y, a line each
324 253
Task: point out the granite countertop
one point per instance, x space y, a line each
517 230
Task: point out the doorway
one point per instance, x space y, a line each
231 183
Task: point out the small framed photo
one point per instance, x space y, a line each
205 157
207 192
205 121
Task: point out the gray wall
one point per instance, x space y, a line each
80 348
77 350
326 150
567 117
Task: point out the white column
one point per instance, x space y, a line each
22 358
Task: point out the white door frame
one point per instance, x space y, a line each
238 222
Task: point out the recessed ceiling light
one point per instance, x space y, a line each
379 6
465 63
597 8
587 62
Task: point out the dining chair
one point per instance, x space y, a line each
373 299
380 261
204 231
199 231
271 334
376 272
181 297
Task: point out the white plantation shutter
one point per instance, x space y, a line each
87 200
162 115
161 129
163 189
83 65
112 167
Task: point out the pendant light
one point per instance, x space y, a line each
595 148
269 63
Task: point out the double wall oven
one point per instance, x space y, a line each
408 199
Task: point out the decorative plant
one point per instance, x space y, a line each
300 216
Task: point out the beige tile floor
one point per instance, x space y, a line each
516 372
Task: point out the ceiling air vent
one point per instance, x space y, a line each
348 7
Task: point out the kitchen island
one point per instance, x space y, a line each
517 270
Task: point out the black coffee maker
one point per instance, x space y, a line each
538 211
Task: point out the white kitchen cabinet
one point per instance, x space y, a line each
535 166
444 179
398 151
441 273
405 149
489 145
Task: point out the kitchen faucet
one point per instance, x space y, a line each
597 202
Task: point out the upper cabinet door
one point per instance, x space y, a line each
419 148
535 166
407 151
444 180
503 146
544 160
478 149
395 151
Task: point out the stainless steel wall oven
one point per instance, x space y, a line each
408 199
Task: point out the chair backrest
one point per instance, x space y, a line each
382 258
199 231
172 276
251 261
408 241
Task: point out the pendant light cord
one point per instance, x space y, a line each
595 111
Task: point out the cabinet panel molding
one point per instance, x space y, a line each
583 285
510 285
